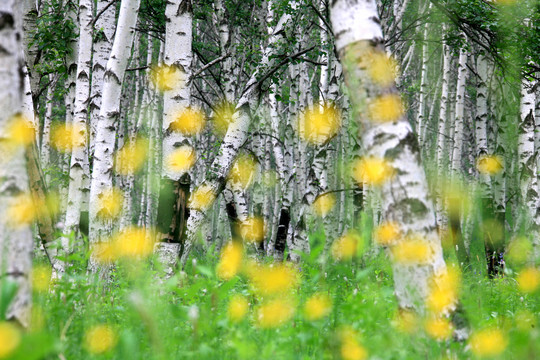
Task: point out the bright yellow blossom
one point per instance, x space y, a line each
41 278
20 131
323 204
274 313
189 121
346 247
371 170
110 204
99 339
64 138
181 159
528 280
387 233
224 115
238 308
10 338
488 342
243 171
201 198
382 68
386 108
133 242
351 349
412 251
274 279
444 290
318 125
167 77
230 262
21 211
317 307
438 328
131 157
489 164
252 229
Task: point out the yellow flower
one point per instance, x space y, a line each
351 349
519 250
444 291
323 204
371 170
387 233
133 242
243 170
110 204
346 247
64 138
181 159
99 339
230 261
317 307
238 308
386 108
274 313
252 230
272 280
20 131
104 252
488 342
131 157
412 251
318 125
382 68
438 328
405 321
224 115
202 198
167 77
41 278
21 211
528 280
489 164
189 122
10 338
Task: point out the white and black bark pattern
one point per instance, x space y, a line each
421 121
103 40
482 115
101 184
404 196
458 133
16 243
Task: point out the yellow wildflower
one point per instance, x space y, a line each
230 261
488 342
274 279
528 280
386 108
131 157
238 308
189 122
202 198
110 203
41 278
387 233
438 328
405 321
133 242
323 204
351 349
489 164
243 170
21 211
64 137
10 337
317 307
444 290
371 170
104 252
20 131
274 313
224 115
252 230
99 339
382 68
318 125
167 77
411 251
346 247
181 159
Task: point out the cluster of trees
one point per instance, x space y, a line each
199 119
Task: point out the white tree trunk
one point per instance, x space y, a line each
459 114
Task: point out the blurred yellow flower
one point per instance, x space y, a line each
528 280
243 171
346 247
181 159
371 170
10 338
104 252
252 230
519 250
444 289
386 108
438 328
110 204
488 342
412 251
382 68
351 349
201 198
317 307
131 157
274 313
167 77
21 211
230 261
489 164
387 233
133 242
41 278
99 339
64 137
20 131
189 121
318 125
238 308
405 321
52 203
224 115
323 204
274 279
